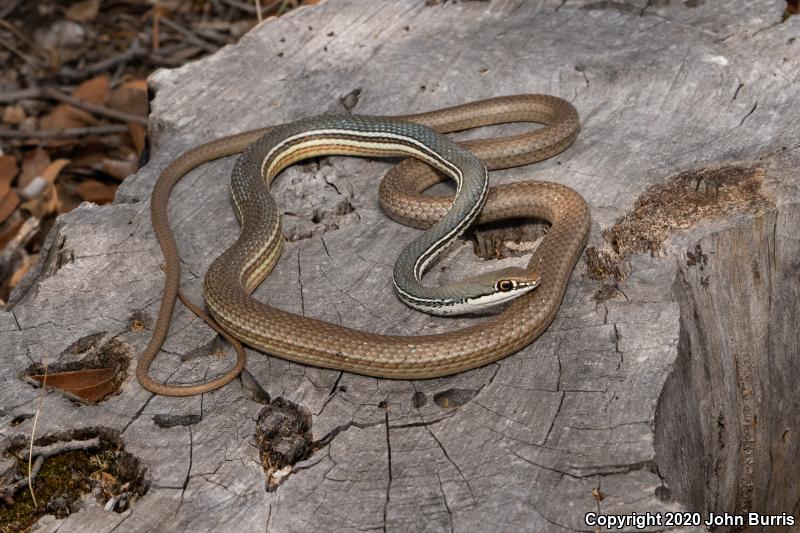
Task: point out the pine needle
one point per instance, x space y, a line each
33 433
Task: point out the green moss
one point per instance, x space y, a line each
65 478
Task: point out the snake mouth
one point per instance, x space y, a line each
532 281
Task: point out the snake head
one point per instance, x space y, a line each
500 286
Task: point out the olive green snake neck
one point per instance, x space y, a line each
235 274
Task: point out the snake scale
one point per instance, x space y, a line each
239 270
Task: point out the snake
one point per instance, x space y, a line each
534 293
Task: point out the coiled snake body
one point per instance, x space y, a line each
236 273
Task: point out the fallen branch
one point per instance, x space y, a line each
64 447
55 94
30 92
14 252
189 34
64 133
7 493
134 51
28 59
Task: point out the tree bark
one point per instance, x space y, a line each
667 380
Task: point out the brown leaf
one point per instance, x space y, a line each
18 274
33 165
54 169
8 171
43 205
9 228
96 191
118 169
138 135
94 91
139 85
14 114
8 205
65 116
130 97
91 384
89 156
85 11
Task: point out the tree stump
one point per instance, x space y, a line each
666 382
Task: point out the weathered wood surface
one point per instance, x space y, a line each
675 393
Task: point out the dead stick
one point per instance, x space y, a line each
55 94
65 133
30 92
241 6
6 11
64 447
134 51
8 492
94 108
205 45
33 61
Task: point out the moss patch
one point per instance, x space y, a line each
679 203
109 471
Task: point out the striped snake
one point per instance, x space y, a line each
233 276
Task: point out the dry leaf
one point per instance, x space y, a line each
95 191
94 91
14 114
139 85
138 135
8 205
8 171
83 11
91 384
33 164
18 274
118 169
54 169
130 97
43 205
9 228
89 156
65 116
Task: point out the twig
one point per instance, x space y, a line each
64 447
14 252
33 61
209 34
64 133
30 92
10 27
33 433
241 6
8 492
13 96
55 94
192 37
93 108
134 51
258 11
156 20
6 11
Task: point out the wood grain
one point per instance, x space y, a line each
675 391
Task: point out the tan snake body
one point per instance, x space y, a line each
233 276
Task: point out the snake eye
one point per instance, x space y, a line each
505 285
